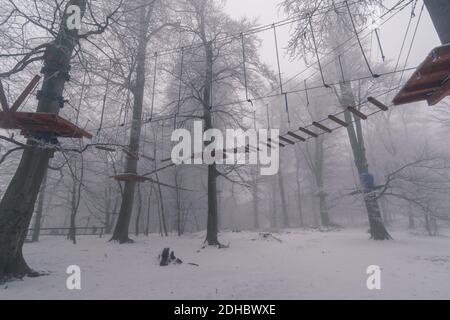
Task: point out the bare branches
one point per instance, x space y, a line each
43 22
101 27
5 155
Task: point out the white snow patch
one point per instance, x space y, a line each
305 265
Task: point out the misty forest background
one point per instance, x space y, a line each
131 99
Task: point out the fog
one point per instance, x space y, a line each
105 148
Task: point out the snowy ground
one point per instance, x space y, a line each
306 265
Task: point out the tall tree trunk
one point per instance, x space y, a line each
411 221
273 214
39 211
17 205
440 12
76 199
319 176
377 229
255 198
123 222
299 190
107 209
284 208
212 229
158 200
178 204
161 204
139 211
149 204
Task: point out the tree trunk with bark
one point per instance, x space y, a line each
319 176
274 213
17 205
76 200
149 204
440 12
131 163
39 211
299 190
255 199
163 220
377 228
178 203
212 231
284 208
137 223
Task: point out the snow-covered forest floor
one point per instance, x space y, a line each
305 265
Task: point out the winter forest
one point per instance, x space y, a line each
212 149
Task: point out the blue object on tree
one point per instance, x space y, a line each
367 181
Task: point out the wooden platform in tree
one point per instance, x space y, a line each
41 123
430 82
130 177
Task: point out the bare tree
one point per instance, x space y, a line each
56 53
337 25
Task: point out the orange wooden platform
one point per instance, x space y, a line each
129 177
430 82
30 123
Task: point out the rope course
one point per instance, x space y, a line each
292 137
241 35
384 21
358 115
306 89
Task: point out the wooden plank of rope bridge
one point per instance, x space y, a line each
296 136
322 127
378 103
129 177
287 141
338 121
276 143
308 132
253 148
357 113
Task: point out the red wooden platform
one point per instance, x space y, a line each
430 81
30 123
129 177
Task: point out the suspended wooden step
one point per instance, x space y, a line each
296 136
338 121
287 140
308 132
430 82
31 123
275 143
378 104
357 113
322 127
130 177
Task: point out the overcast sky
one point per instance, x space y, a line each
392 33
